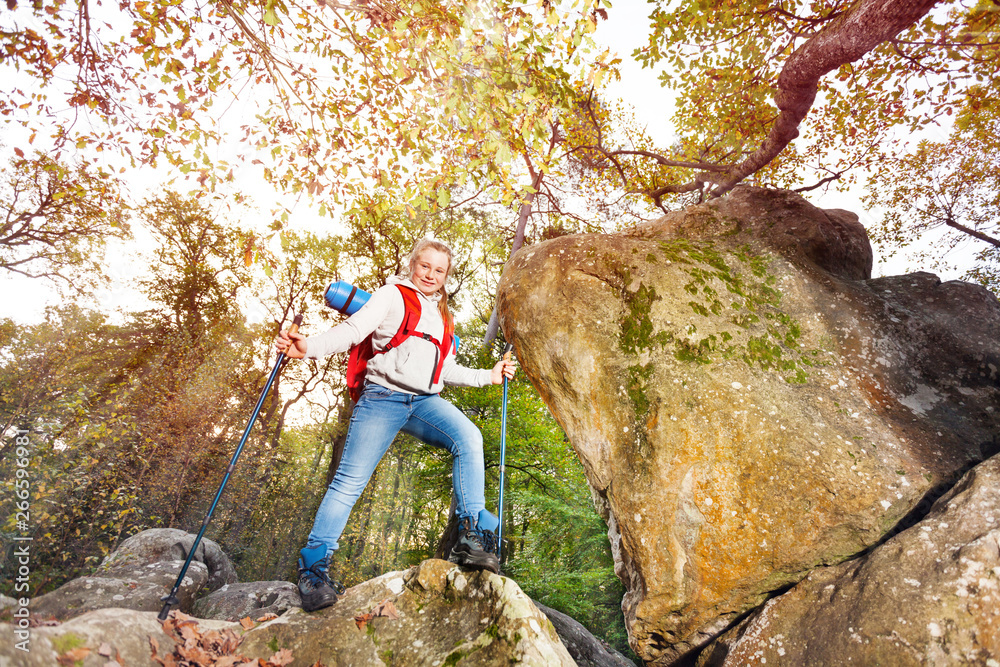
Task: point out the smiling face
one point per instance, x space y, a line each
429 271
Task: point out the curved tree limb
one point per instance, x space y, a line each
853 34
848 35
537 175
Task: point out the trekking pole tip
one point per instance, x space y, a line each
168 602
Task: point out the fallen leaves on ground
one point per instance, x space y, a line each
70 658
36 622
385 608
106 650
211 648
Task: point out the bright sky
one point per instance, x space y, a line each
626 29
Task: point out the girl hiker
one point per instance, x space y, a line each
400 393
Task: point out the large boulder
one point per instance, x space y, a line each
928 596
137 574
99 638
251 600
170 544
432 614
747 407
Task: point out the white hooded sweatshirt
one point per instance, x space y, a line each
410 366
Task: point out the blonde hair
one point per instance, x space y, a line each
440 246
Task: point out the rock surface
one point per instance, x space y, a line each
586 649
928 596
138 574
138 587
169 544
99 638
432 614
251 600
746 407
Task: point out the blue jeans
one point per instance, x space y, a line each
380 414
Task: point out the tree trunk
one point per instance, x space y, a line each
405 535
391 515
522 222
359 546
344 417
524 533
450 536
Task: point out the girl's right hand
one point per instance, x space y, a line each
293 344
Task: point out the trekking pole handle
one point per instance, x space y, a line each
507 350
292 328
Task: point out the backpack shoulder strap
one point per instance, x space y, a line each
408 327
444 347
357 363
411 317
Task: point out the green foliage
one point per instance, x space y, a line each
266 545
131 423
57 217
338 100
199 259
565 563
379 239
53 375
949 186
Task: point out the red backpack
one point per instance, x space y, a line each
357 363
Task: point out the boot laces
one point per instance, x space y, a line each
483 540
318 575
488 540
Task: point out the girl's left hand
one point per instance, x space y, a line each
503 369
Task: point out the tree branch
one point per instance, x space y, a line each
954 224
821 182
848 38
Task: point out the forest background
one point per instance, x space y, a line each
180 178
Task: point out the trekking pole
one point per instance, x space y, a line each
503 451
171 599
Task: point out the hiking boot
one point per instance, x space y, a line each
487 525
474 549
315 586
